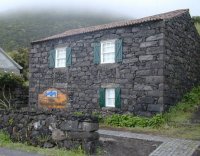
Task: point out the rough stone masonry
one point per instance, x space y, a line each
51 128
160 62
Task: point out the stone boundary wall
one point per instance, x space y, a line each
19 96
51 128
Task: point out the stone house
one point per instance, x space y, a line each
7 64
141 66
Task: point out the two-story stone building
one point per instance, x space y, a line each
141 66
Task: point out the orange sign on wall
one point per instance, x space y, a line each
53 98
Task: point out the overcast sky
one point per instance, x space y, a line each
129 8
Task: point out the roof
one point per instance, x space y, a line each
2 60
163 16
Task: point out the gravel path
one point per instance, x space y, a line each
9 152
169 146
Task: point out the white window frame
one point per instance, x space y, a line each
102 52
56 57
107 98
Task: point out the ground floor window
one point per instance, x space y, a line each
110 97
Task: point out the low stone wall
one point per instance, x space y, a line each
20 97
51 128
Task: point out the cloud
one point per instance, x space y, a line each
131 8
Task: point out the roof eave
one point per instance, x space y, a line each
73 32
60 37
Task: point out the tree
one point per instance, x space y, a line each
21 57
8 83
196 19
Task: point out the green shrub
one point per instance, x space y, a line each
189 103
156 121
198 27
4 137
99 116
21 57
8 83
10 80
78 113
177 113
134 121
11 121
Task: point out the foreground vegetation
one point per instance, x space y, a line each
196 20
21 57
198 27
8 83
177 122
174 123
7 143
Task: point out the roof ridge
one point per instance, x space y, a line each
161 16
13 61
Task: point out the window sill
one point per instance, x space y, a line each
59 67
109 109
107 62
109 65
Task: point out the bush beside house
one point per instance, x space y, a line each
13 92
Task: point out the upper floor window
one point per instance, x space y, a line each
108 51
60 59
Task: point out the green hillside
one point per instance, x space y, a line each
18 29
196 20
198 27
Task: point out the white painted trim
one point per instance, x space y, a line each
105 41
56 56
113 89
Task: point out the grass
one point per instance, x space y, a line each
174 123
7 143
184 132
183 111
198 27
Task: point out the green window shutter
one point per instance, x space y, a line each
102 97
97 50
118 50
117 98
68 56
51 58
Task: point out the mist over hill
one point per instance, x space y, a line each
18 29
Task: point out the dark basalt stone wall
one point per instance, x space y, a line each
160 63
17 97
20 97
181 57
51 128
139 75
